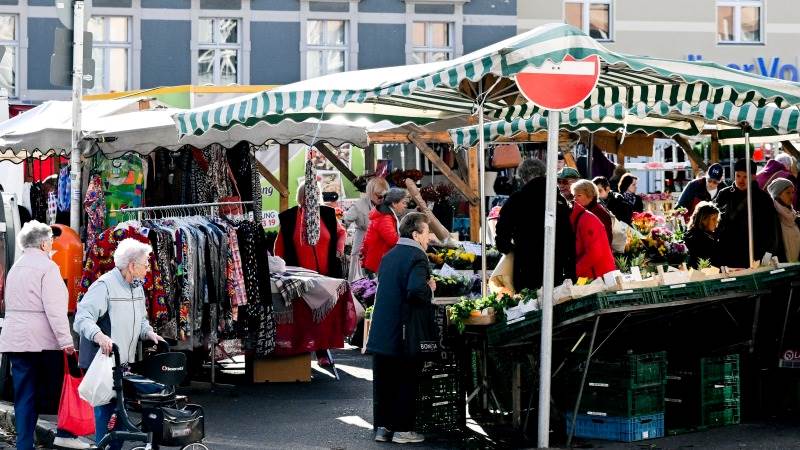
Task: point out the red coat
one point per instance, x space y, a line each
382 235
593 257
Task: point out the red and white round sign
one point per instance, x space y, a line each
559 86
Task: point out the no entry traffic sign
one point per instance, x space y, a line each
559 86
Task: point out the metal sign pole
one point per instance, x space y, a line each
482 195
545 359
749 197
77 93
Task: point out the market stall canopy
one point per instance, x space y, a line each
644 85
46 130
613 120
116 127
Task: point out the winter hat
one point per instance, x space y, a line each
715 172
568 172
777 186
786 160
741 166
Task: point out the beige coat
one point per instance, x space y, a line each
36 306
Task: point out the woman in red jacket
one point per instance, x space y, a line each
382 233
593 257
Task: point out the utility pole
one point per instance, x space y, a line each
77 93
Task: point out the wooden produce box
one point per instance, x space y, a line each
283 369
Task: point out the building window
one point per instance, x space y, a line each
111 51
432 41
591 16
739 21
219 44
9 38
326 47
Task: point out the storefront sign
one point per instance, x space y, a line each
269 219
768 67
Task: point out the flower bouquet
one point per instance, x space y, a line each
645 221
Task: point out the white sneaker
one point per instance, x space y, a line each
407 437
65 442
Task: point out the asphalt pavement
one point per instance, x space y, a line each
330 414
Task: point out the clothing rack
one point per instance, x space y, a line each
188 209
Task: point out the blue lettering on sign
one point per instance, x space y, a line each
770 67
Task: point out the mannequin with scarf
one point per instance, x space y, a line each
782 192
324 257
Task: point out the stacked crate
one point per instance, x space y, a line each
623 399
704 394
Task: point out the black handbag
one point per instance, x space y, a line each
420 334
175 427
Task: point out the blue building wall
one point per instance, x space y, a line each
477 37
381 45
275 5
166 54
167 4
382 6
275 52
40 47
494 7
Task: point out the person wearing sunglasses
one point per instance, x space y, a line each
357 216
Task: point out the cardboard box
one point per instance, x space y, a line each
284 369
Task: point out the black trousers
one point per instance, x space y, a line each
394 392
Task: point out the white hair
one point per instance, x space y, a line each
33 233
130 250
785 159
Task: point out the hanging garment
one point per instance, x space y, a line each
94 204
123 184
52 207
64 186
38 202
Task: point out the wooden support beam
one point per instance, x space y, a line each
383 137
697 162
474 184
284 174
789 148
470 194
328 150
272 179
714 148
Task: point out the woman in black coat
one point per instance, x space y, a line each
700 238
406 284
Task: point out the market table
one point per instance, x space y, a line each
527 328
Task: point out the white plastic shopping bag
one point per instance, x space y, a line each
97 387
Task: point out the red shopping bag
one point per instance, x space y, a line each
75 415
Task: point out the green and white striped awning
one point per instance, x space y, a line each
448 89
597 119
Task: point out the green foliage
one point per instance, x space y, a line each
462 310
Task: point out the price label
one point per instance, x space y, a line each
269 219
447 271
472 247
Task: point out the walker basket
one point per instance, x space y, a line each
175 427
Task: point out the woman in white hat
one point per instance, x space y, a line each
782 192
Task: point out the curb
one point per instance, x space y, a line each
45 429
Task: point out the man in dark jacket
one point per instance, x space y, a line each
732 231
520 228
702 189
405 283
613 201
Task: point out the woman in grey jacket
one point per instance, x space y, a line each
113 312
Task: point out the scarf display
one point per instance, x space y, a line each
790 231
311 206
318 291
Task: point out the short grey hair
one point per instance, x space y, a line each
530 169
412 222
130 250
33 233
394 195
585 187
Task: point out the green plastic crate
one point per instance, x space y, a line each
777 276
630 371
718 416
602 300
715 394
603 402
719 370
683 291
745 283
515 331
